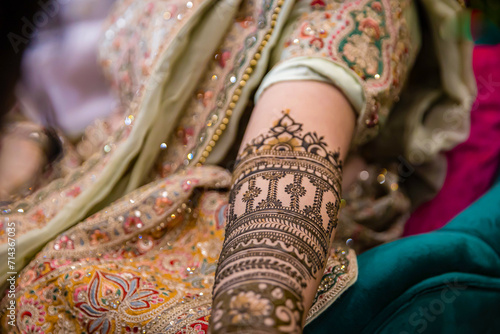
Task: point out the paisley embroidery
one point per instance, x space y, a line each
368 37
107 293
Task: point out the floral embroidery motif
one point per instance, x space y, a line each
64 242
369 37
31 313
108 292
131 224
362 55
74 192
97 237
39 217
161 204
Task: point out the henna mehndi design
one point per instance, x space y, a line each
277 241
286 135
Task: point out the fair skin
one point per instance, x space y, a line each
322 109
21 160
317 105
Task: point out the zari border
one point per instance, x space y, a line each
343 282
241 86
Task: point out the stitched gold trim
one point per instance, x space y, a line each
237 93
343 282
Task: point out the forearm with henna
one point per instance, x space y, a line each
282 215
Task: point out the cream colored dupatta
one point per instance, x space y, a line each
164 75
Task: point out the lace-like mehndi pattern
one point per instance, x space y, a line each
282 211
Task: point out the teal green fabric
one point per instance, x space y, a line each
489 33
446 281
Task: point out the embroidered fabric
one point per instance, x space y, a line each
147 264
